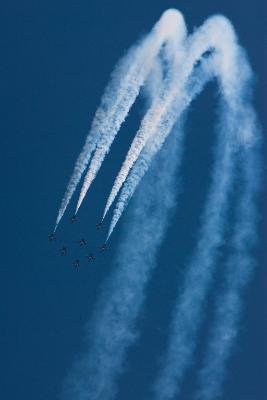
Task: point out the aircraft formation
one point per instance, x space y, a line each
82 242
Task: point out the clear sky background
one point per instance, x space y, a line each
56 58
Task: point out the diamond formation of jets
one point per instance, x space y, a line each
64 250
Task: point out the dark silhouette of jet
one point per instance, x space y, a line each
99 225
104 247
51 237
73 219
63 250
76 263
90 257
82 242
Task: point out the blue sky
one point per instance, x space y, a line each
56 60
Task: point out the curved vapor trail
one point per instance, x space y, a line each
171 25
190 62
113 329
118 98
164 112
236 120
215 34
237 275
188 312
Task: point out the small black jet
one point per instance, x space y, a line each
82 242
104 247
76 263
63 250
99 225
73 219
90 257
51 237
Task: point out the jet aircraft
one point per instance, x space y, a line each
76 263
63 250
82 242
73 218
51 237
90 257
104 247
99 225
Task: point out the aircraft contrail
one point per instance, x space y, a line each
188 312
173 68
119 96
237 273
170 25
165 109
197 81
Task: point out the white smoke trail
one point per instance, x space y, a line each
112 330
203 74
108 107
118 98
167 107
160 116
237 131
237 274
171 27
188 311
